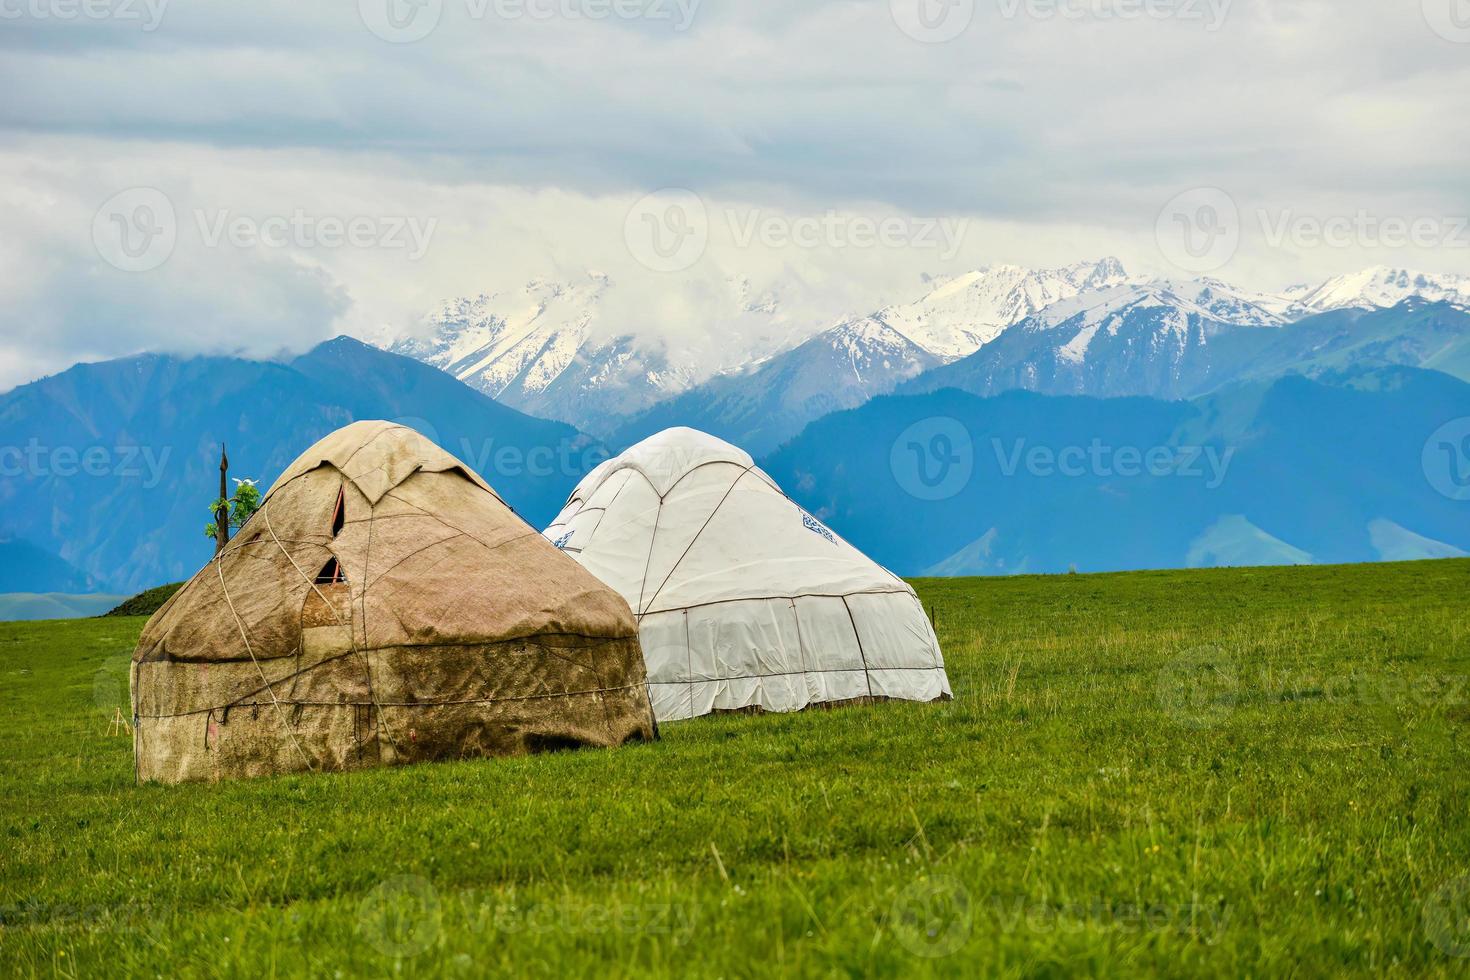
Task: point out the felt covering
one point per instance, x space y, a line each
383 606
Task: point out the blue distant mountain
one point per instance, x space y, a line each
1295 470
760 408
112 466
24 567
1153 339
1146 340
120 461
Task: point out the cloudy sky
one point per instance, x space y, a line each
212 176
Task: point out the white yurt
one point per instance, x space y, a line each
743 599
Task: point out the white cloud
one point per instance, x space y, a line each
526 140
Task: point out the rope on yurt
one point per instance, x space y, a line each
689 651
366 667
684 554
648 561
220 568
861 652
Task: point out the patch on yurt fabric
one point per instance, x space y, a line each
561 542
815 526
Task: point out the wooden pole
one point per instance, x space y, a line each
222 516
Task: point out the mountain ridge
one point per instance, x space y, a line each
1328 469
1156 348
153 425
622 388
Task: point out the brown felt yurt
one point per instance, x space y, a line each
383 606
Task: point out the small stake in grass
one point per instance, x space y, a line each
120 724
718 863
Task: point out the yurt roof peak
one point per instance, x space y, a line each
668 456
376 456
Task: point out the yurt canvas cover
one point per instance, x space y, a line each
743 599
383 606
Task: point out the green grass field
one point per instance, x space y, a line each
1228 773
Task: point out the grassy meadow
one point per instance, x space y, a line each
1224 773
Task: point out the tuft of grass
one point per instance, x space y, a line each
148 602
1220 773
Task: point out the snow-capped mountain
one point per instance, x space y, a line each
547 350
1226 303
960 315
1381 287
862 357
495 341
1150 341
1124 340
760 408
1201 298
752 374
